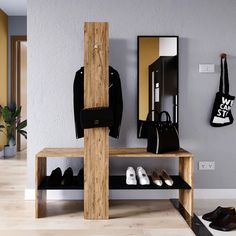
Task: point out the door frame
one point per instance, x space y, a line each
15 75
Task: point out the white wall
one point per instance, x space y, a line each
55 47
168 46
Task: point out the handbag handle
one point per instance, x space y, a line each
224 79
150 113
168 118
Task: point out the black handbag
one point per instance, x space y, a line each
162 136
143 130
221 112
96 117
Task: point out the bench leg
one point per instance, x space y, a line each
40 195
186 172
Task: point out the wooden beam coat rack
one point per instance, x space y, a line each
96 140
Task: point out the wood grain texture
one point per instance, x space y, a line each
40 195
113 152
186 172
185 167
96 142
142 152
61 152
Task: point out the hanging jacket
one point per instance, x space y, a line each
115 101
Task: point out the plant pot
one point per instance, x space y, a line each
9 151
1 153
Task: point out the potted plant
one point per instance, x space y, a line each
12 123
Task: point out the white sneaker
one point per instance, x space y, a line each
142 176
168 180
131 176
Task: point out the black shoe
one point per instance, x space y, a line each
227 223
81 174
219 213
67 179
55 178
80 178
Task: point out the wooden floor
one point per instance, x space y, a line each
138 218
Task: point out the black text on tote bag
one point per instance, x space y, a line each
221 112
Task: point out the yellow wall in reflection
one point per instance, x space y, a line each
148 53
3 65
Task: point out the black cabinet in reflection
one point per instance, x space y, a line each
163 86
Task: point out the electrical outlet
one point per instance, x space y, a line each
207 68
206 165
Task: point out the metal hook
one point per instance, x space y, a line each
223 55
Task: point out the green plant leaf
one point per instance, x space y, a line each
21 125
6 114
23 132
11 117
17 112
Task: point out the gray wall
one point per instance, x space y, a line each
55 44
17 25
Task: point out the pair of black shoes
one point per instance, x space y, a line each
56 178
222 218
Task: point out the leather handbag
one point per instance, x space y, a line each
96 117
143 130
221 112
162 136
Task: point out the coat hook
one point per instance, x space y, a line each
223 55
95 46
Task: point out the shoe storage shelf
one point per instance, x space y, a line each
183 182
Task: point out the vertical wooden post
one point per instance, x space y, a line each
40 195
96 142
186 172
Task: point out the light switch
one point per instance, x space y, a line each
207 68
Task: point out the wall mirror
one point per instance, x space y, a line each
157 77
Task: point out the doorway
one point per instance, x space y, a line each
18 82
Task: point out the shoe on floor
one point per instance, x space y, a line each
156 178
167 179
219 212
142 176
67 179
55 178
131 176
227 223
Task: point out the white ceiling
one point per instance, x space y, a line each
14 7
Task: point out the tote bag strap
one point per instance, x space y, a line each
224 78
168 118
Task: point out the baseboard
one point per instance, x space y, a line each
214 193
136 194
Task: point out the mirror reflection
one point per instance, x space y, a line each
157 76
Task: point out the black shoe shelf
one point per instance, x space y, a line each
117 182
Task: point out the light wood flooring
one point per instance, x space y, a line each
149 218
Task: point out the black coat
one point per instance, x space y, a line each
115 101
